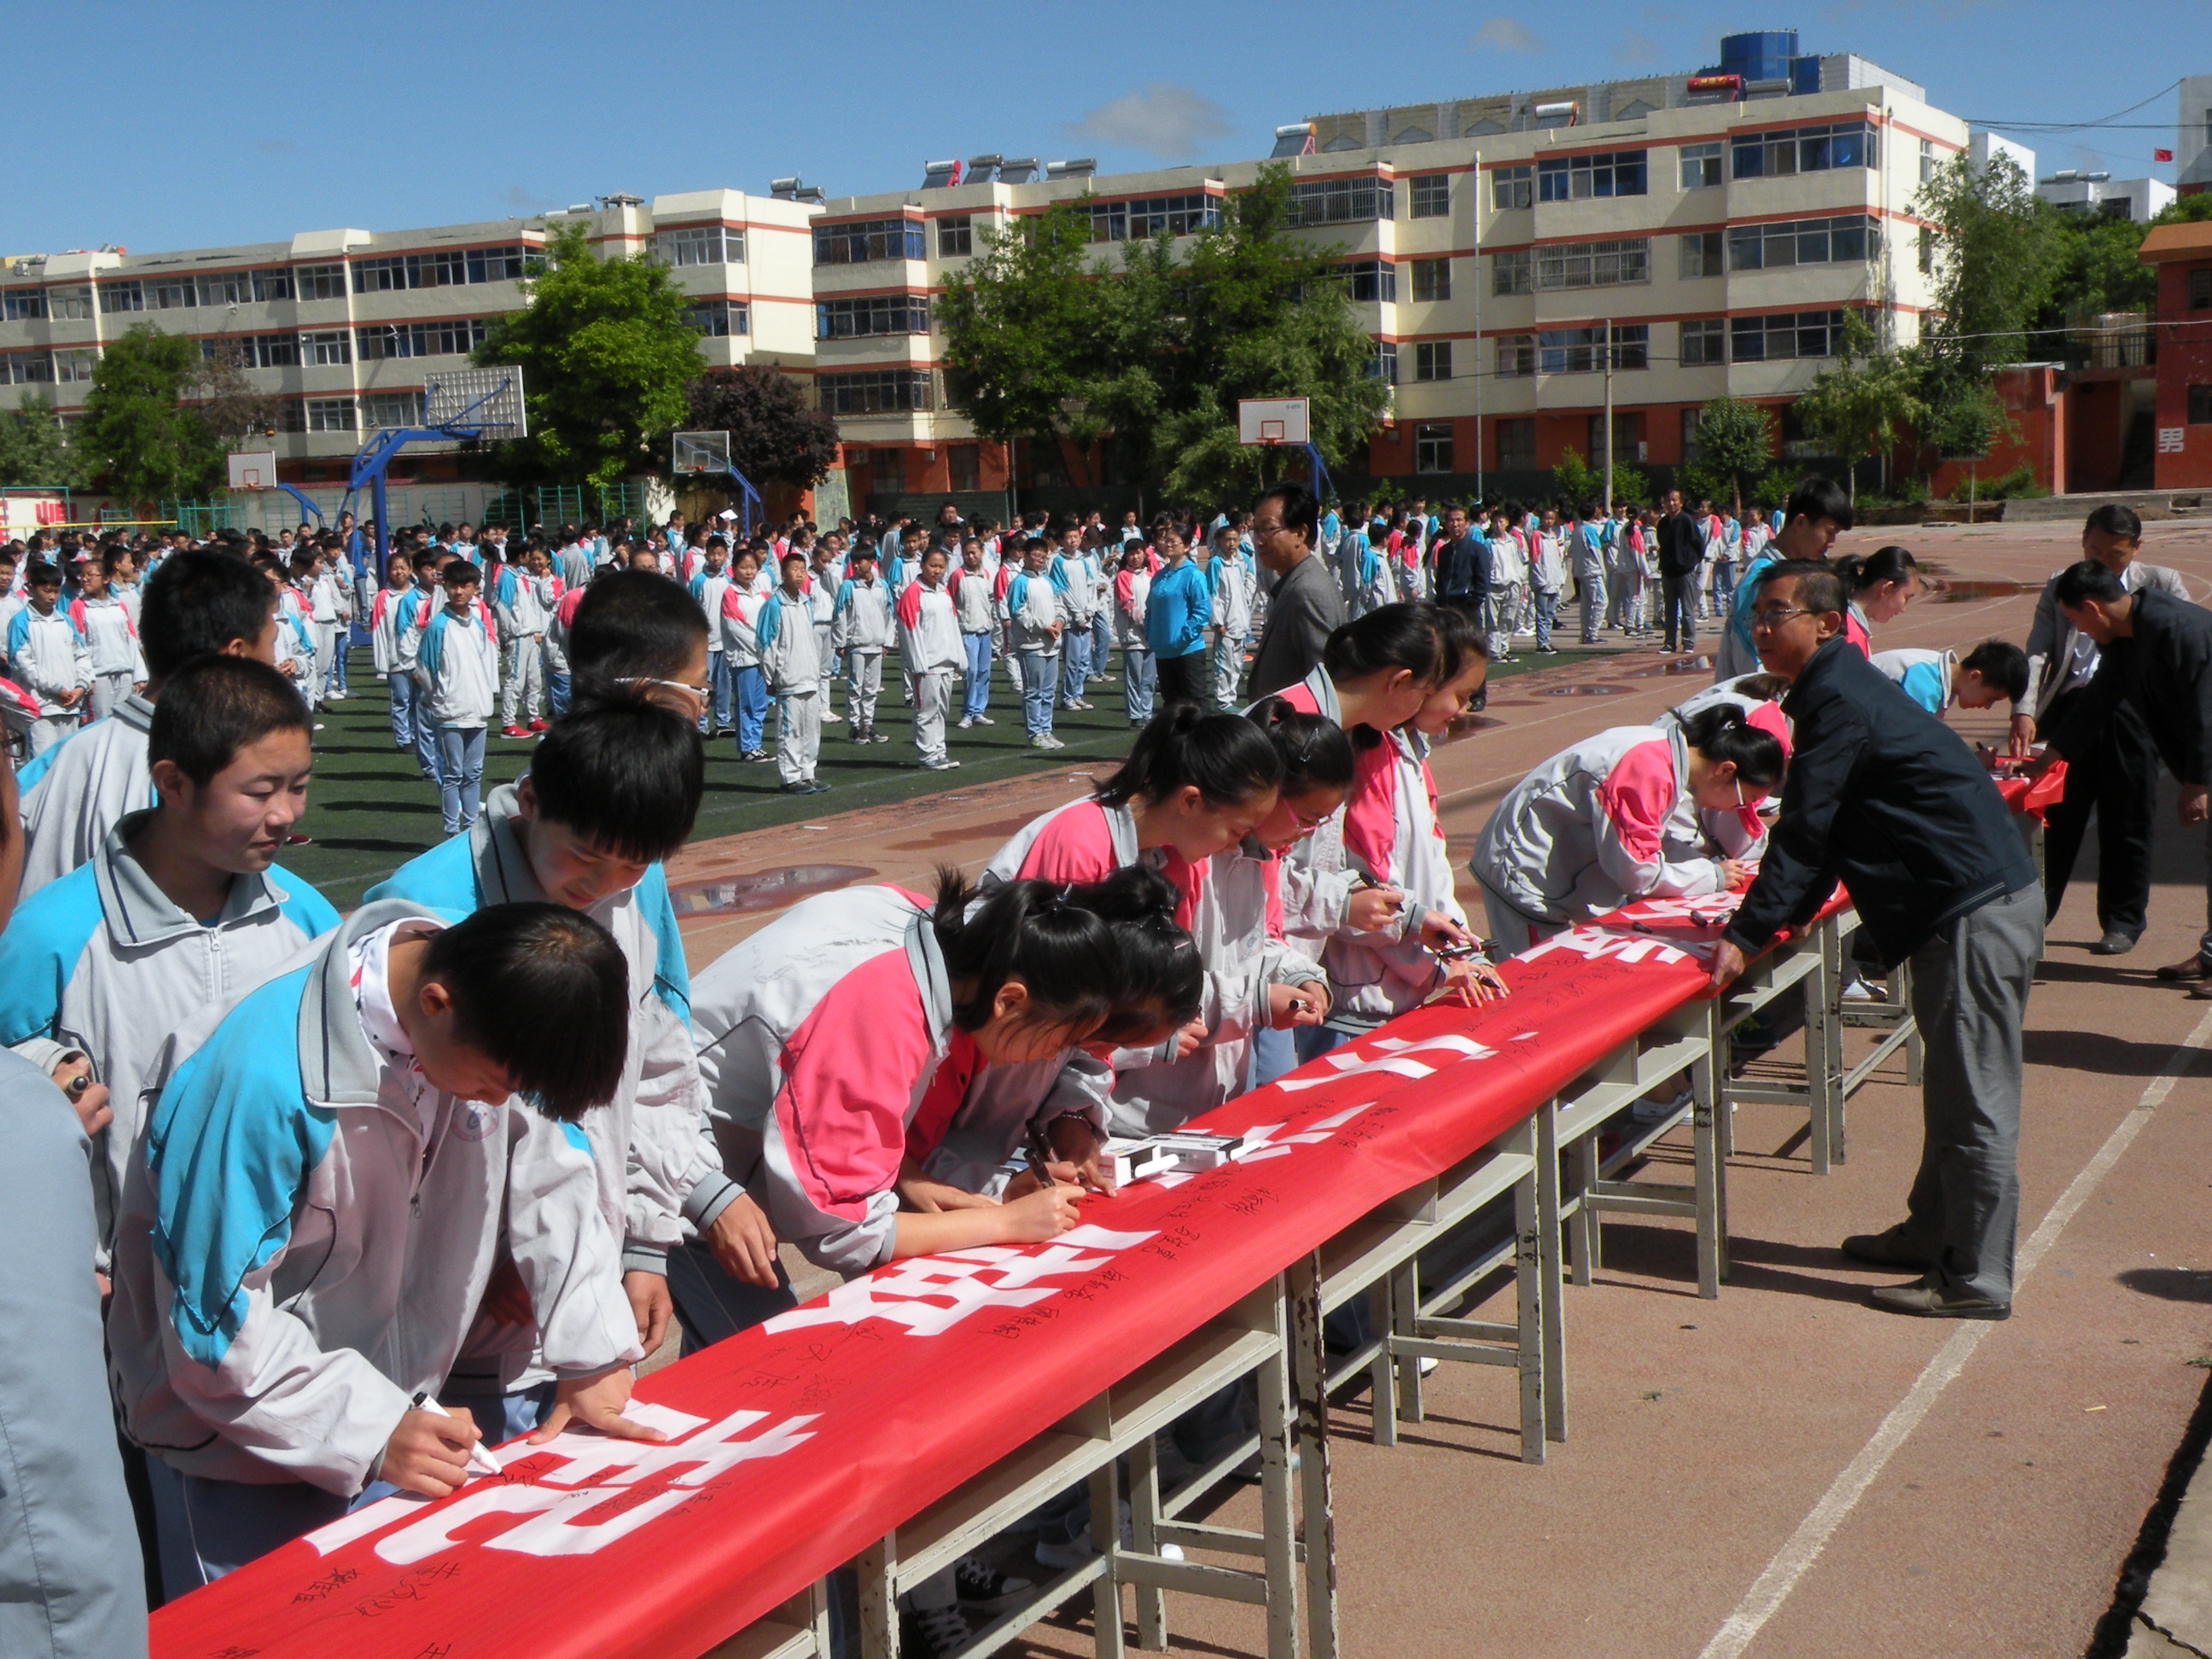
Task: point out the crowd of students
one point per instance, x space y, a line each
338 1200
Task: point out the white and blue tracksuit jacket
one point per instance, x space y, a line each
102 960
456 662
49 656
81 788
297 1257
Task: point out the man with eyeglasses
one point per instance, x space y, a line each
1303 606
1883 796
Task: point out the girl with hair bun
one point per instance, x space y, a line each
1881 584
1589 830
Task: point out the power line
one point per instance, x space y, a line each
2076 126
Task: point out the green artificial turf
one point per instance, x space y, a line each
369 811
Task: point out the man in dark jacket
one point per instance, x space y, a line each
1883 796
2154 663
1681 554
1304 607
1463 558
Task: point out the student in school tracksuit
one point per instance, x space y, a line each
113 658
50 662
105 962
976 603
1074 581
1232 623
863 632
554 594
1036 615
1586 832
708 586
785 638
930 654
1924 676
455 662
518 604
825 576
1132 589
386 612
737 624
311 1222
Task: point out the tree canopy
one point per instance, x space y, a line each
606 351
1862 406
33 448
135 435
1736 444
775 436
1045 341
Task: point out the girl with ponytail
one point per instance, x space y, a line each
1881 584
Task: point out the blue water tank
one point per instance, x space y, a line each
1760 55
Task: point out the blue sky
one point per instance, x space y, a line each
189 124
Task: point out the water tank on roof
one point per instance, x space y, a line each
1760 55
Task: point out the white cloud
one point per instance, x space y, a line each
1162 120
1506 35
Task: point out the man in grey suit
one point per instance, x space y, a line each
1304 607
2118 780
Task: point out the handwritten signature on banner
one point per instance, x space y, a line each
1632 936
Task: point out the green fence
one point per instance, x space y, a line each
195 518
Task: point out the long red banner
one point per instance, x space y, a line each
795 1445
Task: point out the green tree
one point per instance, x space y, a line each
33 448
606 352
137 436
1862 406
1735 443
775 437
1573 477
1995 252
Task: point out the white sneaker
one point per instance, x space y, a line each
832 719
1052 742
1041 741
1652 1110
985 720
967 722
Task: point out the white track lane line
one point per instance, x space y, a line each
1796 1557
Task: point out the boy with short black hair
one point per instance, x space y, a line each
328 1174
455 661
117 666
631 627
793 672
862 631
183 906
1036 616
48 656
520 605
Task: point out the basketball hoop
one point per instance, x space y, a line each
253 471
477 402
700 453
1266 422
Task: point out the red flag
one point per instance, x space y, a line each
2161 155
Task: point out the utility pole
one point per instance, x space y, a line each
1608 417
1474 211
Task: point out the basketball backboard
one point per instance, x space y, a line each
1273 421
701 452
488 400
253 469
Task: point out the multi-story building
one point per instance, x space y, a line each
344 328
2139 199
1712 229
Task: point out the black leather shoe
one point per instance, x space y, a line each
2114 944
1927 1301
1884 1250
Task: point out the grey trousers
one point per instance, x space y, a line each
1970 985
798 732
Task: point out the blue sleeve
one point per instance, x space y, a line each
39 951
443 879
1923 684
764 631
29 774
302 906
432 652
228 1145
671 976
19 630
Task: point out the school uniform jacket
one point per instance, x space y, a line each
1584 833
110 638
929 630
79 789
1029 607
457 666
383 626
863 619
1923 676
790 655
738 627
49 656
296 1259
973 598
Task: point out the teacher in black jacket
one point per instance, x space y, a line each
2155 662
1884 797
1681 554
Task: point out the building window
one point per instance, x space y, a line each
320 281
455 337
1703 343
961 467
700 244
1369 282
229 287
721 319
1428 196
1581 350
329 414
1432 279
1929 164
1512 187
379 276
1701 165
1432 361
1702 254
517 260
1382 365
1926 245
1845 240
272 285
171 294
1594 265
1510 273
1805 149
956 238
325 350
1342 201
2200 406
1517 445
121 296
875 392
1578 178
1432 446
865 241
1790 334
23 305
2200 289
70 305
75 367
1516 355
291 415
272 351
1178 215
1627 437
446 267
391 409
28 368
1691 420
877 314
